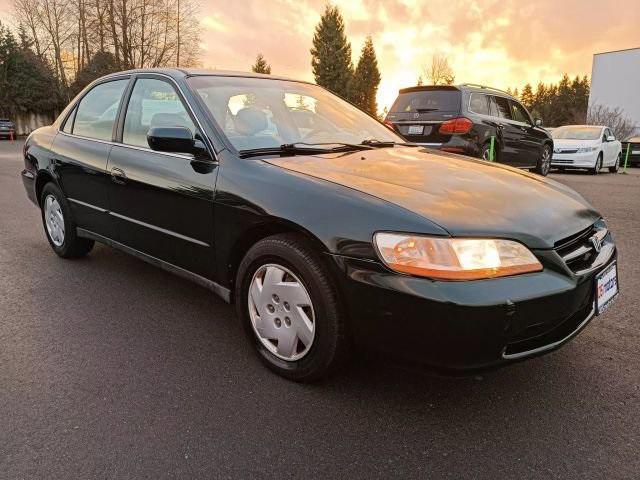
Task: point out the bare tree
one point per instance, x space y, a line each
138 33
614 118
439 72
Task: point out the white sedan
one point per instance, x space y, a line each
585 146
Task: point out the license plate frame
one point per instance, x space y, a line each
603 295
415 130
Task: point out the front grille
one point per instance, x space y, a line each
566 150
562 160
578 251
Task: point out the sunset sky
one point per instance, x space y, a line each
501 43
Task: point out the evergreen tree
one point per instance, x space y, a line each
261 65
527 96
26 83
331 53
102 63
366 79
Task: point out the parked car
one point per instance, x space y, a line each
7 128
462 119
586 146
326 234
634 151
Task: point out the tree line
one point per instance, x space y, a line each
558 104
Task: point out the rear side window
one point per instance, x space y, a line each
427 101
96 113
68 125
479 103
503 108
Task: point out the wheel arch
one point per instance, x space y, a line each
267 228
42 178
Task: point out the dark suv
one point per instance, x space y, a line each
7 128
462 119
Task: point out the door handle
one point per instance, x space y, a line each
118 176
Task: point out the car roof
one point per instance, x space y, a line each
470 87
179 73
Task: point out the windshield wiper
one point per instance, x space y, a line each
302 148
373 142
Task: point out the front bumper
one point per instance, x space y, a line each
467 325
574 160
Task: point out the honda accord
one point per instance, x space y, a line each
326 229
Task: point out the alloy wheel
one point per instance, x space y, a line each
281 312
54 220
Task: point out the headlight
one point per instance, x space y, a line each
454 258
587 149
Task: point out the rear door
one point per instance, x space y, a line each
80 153
162 202
510 135
418 113
530 143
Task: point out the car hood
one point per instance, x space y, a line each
571 143
466 197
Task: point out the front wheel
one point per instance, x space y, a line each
616 166
544 162
290 310
598 166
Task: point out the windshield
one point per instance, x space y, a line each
576 133
263 113
427 101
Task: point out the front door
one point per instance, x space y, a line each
162 203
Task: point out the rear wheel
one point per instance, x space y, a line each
60 226
544 162
598 166
290 310
616 166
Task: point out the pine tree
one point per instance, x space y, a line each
526 96
366 79
261 65
331 53
102 63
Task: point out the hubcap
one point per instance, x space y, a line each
281 312
54 220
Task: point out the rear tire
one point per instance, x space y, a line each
59 224
598 166
265 305
616 167
544 162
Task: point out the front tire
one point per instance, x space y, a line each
290 309
598 166
60 226
616 166
544 162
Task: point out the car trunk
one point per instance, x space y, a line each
417 114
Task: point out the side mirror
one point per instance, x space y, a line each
171 139
537 122
611 138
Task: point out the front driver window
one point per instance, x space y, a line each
153 103
519 113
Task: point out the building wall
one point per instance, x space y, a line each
615 82
27 122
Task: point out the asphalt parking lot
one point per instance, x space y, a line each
112 368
